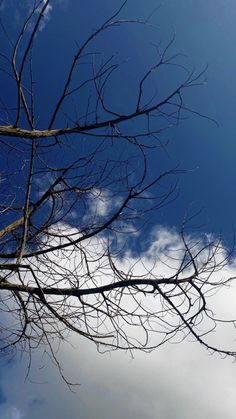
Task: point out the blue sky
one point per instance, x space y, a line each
179 381
205 32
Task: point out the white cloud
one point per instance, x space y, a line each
174 382
103 202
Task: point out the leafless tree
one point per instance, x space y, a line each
74 191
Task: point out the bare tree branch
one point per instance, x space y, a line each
77 192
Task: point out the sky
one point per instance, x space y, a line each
204 33
179 380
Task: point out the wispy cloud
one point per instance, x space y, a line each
11 412
24 8
47 12
16 413
47 15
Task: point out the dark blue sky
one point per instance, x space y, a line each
204 32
